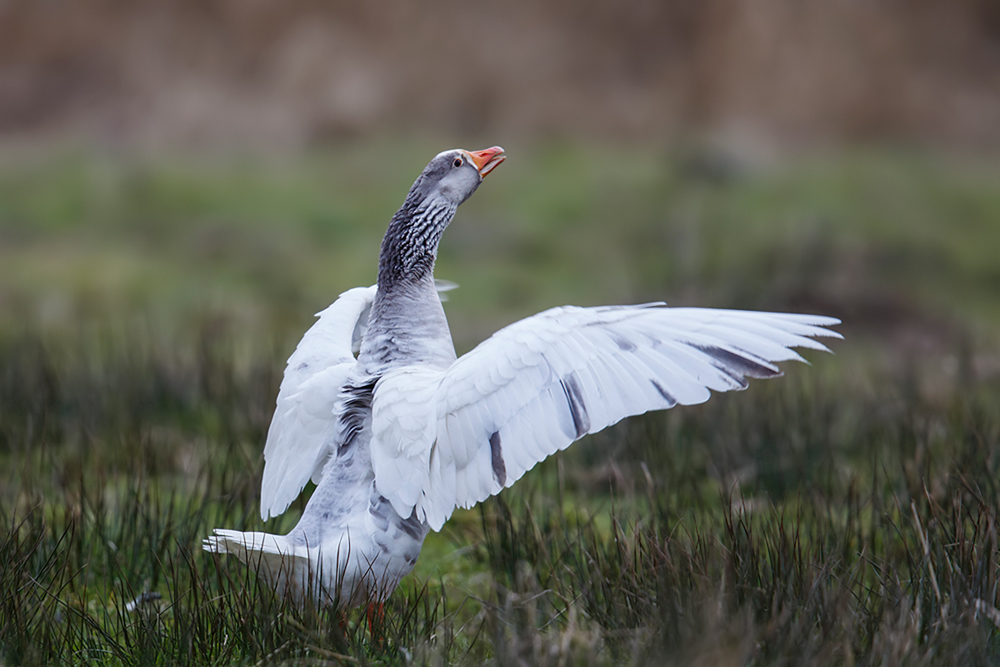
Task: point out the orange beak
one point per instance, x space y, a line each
486 160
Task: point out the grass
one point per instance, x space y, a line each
844 514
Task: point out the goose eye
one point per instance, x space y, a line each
458 162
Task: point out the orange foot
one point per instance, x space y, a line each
376 615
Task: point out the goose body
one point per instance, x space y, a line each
397 432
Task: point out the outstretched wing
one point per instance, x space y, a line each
540 384
304 424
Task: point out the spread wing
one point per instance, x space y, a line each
304 423
540 384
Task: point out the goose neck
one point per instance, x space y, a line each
410 245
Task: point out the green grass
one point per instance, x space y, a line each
844 514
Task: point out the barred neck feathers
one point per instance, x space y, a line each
410 245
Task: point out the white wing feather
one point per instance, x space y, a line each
540 384
303 428
404 426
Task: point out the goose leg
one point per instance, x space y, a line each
375 614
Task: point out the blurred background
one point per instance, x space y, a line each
235 75
220 169
247 154
236 161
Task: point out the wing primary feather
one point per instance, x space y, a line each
667 396
741 363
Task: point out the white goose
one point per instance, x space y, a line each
400 435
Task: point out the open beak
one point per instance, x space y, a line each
486 160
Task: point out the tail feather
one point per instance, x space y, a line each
243 544
293 570
285 566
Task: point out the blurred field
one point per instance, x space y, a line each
900 236
844 514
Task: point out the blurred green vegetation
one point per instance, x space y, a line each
839 514
863 235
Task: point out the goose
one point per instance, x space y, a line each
397 432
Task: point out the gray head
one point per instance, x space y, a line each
452 176
410 244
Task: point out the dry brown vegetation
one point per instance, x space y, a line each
291 73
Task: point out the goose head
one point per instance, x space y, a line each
453 175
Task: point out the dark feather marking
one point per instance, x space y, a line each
667 396
382 512
581 420
379 508
732 362
623 343
357 406
496 458
302 366
413 526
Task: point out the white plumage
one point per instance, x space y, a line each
400 435
302 429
